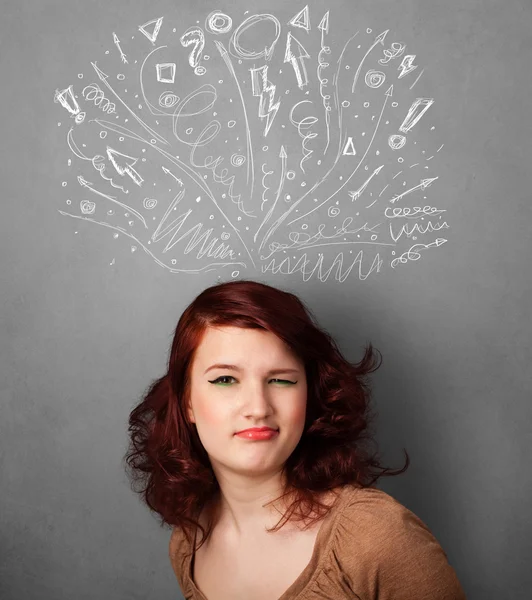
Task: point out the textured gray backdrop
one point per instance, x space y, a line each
93 280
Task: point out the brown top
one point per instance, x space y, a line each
368 547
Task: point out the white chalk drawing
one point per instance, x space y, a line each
116 41
301 19
194 36
218 23
165 73
296 55
168 164
151 29
265 90
324 50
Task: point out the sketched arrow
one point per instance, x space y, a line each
124 169
324 27
87 184
168 172
297 60
283 157
117 44
378 40
356 195
425 183
103 78
388 94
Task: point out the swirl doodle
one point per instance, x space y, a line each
169 164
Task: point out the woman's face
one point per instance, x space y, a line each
225 400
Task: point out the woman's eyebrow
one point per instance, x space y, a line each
236 368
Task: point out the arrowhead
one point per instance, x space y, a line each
426 182
99 72
324 23
165 170
389 91
115 38
282 153
380 38
440 241
300 51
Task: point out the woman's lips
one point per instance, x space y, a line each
258 434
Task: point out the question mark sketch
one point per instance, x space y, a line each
195 36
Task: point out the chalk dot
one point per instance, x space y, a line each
356 116
369 30
189 130
346 103
64 183
291 174
366 104
220 81
231 124
121 139
59 124
373 237
174 261
363 133
207 57
400 159
80 75
121 76
347 67
143 160
143 149
378 152
103 134
265 148
140 105
359 46
288 197
131 222
287 92
319 162
115 235
107 52
174 30
69 201
303 183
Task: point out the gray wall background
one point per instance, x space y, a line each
86 321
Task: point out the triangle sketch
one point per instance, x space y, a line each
301 20
151 35
349 149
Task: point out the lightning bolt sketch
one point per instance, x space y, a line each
266 91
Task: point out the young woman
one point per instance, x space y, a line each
258 435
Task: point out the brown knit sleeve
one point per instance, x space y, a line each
387 553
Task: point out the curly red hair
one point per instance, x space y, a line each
166 457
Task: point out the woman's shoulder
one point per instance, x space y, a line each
369 512
381 543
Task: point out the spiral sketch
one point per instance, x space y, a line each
255 142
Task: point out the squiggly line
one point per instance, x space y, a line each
302 263
266 188
305 123
284 216
301 240
97 160
206 268
93 93
413 252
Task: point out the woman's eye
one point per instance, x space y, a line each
219 380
